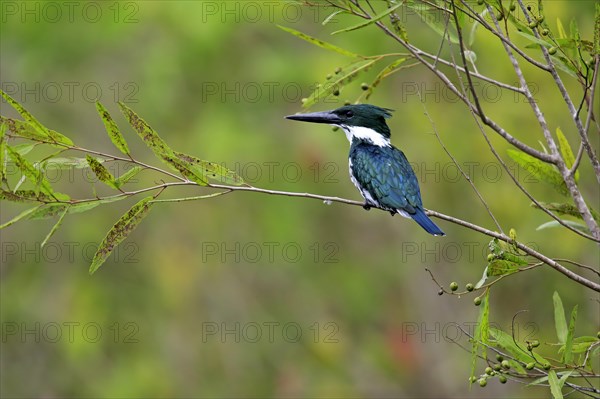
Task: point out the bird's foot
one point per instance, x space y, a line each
393 213
366 206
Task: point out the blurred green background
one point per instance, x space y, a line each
249 295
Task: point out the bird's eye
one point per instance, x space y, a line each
349 114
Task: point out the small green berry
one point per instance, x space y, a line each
505 364
364 86
335 128
477 301
552 50
453 286
547 366
513 7
304 100
540 18
347 102
502 379
482 382
499 357
535 343
500 17
469 287
545 32
533 24
598 334
336 92
338 70
497 367
489 371
329 76
530 366
441 292
472 379
480 2
490 257
528 8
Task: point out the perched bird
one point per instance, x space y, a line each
379 170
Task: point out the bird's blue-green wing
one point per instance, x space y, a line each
387 175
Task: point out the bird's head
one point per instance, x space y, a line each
364 122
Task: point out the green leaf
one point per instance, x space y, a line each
23 196
125 177
562 34
372 20
119 232
560 322
554 223
41 129
565 209
481 333
583 343
31 172
596 49
384 73
555 388
330 17
543 171
101 172
22 215
212 170
506 342
435 20
160 147
24 148
55 227
112 129
319 43
566 151
568 353
28 131
345 76
500 267
68 163
3 155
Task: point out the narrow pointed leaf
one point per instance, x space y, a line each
542 170
554 223
554 385
31 172
160 147
28 131
596 47
112 129
55 227
439 25
101 172
562 34
568 353
20 216
566 152
481 333
385 72
506 342
127 176
372 20
213 170
560 322
119 232
23 196
319 43
3 154
566 209
345 76
25 114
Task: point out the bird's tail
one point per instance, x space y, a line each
420 217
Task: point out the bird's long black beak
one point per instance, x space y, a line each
316 117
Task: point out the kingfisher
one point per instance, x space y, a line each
379 170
